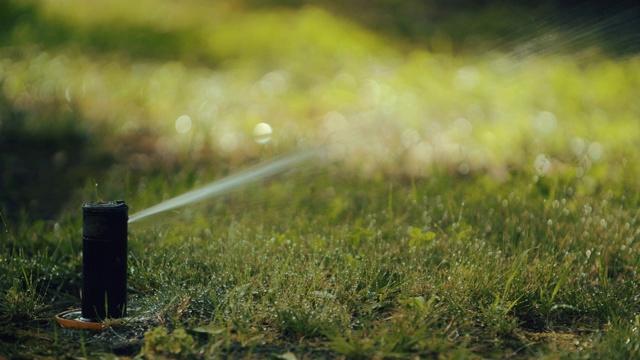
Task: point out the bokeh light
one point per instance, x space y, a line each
262 133
325 81
183 124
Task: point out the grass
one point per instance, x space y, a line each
469 204
486 283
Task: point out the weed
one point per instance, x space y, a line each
158 343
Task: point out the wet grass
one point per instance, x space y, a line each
468 204
497 271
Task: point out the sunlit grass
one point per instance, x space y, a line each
481 204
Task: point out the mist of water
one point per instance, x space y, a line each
227 184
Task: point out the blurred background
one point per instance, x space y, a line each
109 94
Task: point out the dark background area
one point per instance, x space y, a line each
612 25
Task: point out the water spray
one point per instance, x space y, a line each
226 185
104 244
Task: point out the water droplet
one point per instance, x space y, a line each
542 164
273 83
262 133
466 78
183 124
577 145
462 127
463 169
545 122
409 138
595 151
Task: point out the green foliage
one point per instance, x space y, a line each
158 344
419 238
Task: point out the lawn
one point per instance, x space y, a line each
471 190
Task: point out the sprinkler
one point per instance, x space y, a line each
104 260
104 242
104 265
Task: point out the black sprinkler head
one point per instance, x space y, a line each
104 260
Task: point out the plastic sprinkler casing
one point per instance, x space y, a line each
104 260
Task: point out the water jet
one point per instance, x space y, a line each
226 184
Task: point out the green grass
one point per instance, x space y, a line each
469 204
486 282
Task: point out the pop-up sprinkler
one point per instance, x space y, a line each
104 242
104 266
